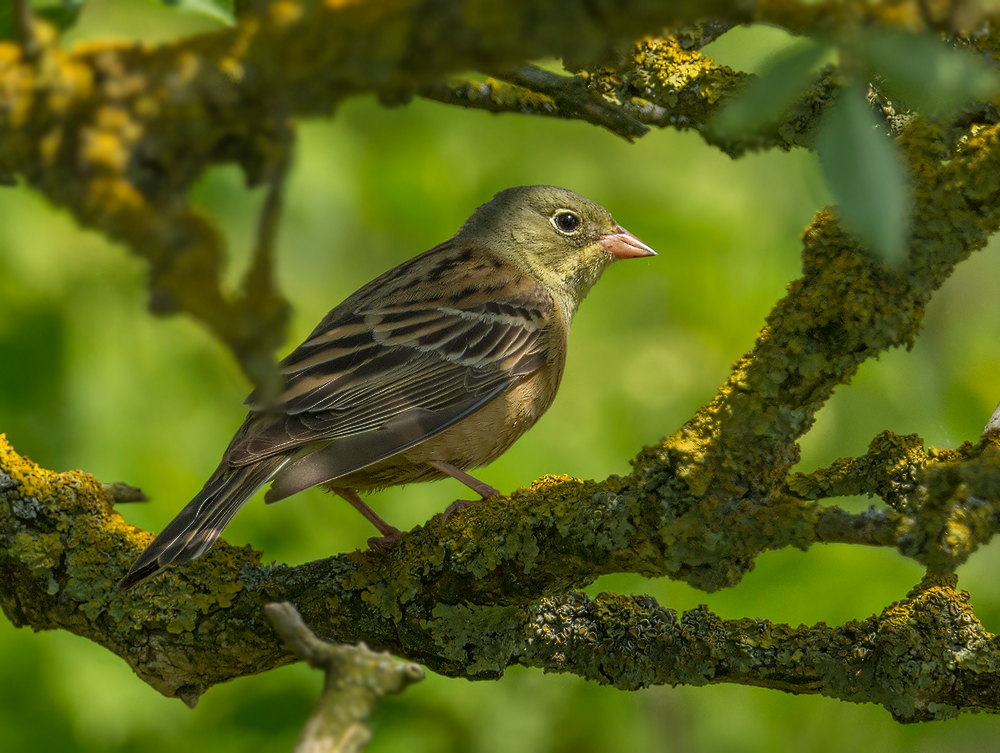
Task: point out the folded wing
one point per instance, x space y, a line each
375 383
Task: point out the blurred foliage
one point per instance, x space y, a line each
923 72
901 72
781 83
61 13
221 10
88 379
64 14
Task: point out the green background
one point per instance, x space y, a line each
89 380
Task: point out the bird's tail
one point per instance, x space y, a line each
198 525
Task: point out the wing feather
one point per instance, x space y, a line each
368 365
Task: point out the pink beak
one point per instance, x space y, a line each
624 245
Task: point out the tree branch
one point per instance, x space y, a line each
531 90
663 82
473 597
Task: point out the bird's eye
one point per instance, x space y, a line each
566 222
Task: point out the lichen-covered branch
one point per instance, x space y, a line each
663 82
847 307
471 598
890 470
573 98
926 657
566 97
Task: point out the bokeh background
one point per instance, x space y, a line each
89 380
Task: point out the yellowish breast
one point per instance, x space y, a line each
474 441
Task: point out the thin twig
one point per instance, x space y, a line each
572 95
696 36
121 493
259 285
500 96
356 680
994 422
24 21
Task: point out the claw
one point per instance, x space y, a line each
382 543
458 504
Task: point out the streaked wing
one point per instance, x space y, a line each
397 362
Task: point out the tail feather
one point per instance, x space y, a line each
199 524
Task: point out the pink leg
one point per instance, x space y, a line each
390 534
483 490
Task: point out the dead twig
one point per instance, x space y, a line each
356 680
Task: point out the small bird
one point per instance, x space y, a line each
433 368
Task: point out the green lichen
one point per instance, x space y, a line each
905 659
890 469
483 638
39 554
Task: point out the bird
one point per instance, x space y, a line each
434 368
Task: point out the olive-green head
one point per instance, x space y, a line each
563 239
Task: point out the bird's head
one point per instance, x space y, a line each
561 238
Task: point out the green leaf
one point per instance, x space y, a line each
221 10
60 13
924 73
865 174
785 79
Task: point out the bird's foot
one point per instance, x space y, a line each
459 504
388 540
390 534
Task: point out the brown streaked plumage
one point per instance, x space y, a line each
434 368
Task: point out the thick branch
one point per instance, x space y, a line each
923 658
471 598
